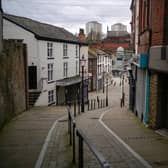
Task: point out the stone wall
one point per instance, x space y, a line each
0 27
13 80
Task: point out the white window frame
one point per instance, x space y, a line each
50 72
65 69
50 50
65 50
50 96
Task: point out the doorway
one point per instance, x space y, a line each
32 77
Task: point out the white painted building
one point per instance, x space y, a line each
104 68
53 59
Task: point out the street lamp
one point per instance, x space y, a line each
82 63
107 91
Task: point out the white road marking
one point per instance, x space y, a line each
136 155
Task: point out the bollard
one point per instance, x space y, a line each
88 105
91 104
94 103
101 103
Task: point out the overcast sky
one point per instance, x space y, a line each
72 14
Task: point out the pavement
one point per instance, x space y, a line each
22 139
39 138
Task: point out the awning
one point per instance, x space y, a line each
69 81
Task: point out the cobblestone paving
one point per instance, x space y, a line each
59 153
117 155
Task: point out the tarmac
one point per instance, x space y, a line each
39 137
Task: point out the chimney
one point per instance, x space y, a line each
82 36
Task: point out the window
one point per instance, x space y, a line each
50 50
50 96
65 69
65 50
76 50
50 72
77 67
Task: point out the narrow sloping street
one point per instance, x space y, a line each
39 137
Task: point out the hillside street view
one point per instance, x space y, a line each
84 84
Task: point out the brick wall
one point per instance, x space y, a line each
13 79
157 21
153 99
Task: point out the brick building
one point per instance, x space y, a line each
158 64
149 77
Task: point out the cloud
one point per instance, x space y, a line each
71 14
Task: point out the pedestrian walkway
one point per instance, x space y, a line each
22 139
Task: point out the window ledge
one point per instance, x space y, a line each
49 104
65 57
49 82
50 58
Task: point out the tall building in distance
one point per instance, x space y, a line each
94 30
117 30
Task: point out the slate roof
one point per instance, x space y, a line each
43 31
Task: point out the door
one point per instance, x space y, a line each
32 77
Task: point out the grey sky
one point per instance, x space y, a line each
72 14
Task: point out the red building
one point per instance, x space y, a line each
150 39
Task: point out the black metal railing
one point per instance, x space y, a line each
73 131
83 139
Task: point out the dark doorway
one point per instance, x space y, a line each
32 77
163 101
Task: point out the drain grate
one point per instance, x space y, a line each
94 118
63 120
161 163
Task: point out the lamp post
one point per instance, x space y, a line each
82 61
106 91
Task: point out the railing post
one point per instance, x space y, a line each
80 152
69 126
74 149
70 131
78 107
74 108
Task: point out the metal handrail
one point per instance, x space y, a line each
103 162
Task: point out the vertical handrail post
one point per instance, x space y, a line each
74 108
80 152
74 149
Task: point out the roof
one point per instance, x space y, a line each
43 31
69 81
